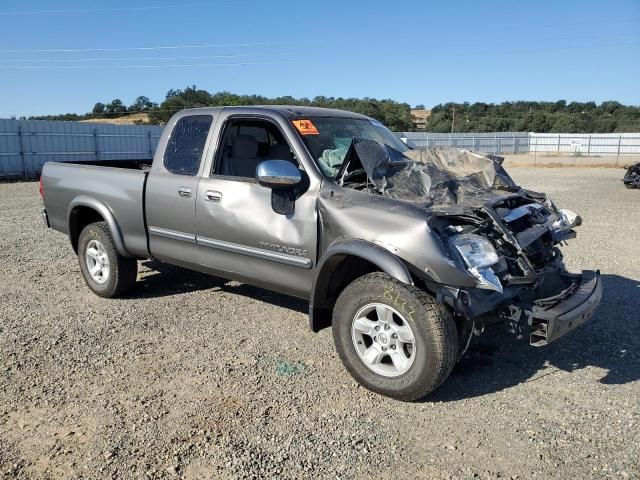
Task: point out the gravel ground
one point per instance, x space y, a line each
195 377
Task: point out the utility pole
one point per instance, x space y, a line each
453 119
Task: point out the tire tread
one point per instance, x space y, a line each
440 326
126 269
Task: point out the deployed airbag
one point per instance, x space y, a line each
440 176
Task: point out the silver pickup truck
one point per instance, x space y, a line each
405 253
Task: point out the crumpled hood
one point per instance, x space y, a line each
442 176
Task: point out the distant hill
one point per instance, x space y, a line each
132 119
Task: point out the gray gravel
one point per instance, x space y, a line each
195 377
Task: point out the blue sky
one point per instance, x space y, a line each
64 56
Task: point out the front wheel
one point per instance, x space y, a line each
394 338
106 272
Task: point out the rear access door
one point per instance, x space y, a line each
172 188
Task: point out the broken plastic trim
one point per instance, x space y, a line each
486 279
567 220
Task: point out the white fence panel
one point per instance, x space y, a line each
586 144
496 142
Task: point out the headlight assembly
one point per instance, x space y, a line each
567 220
476 251
478 255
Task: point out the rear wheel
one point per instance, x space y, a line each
394 338
106 272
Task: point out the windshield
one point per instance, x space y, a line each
328 138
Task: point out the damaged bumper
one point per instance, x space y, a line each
550 323
545 319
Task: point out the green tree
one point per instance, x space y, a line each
520 116
115 109
142 104
99 109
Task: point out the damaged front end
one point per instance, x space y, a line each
533 291
506 237
632 176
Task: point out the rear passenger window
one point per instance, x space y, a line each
186 144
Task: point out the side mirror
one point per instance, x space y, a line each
278 174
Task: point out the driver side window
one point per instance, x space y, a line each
246 143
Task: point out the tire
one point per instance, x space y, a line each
117 274
421 366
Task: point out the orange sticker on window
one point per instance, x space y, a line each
305 127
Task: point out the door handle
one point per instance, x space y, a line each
213 195
184 192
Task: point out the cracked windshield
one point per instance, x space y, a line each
329 138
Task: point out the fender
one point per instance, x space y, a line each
384 260
105 212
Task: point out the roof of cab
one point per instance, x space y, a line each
288 111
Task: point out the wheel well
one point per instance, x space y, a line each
338 272
79 218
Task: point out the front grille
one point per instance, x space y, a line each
522 235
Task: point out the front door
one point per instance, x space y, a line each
172 190
238 231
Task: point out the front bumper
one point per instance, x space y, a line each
550 323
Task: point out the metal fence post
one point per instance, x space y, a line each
23 153
97 143
589 146
558 148
495 143
535 151
618 153
150 143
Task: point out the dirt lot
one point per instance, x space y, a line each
195 377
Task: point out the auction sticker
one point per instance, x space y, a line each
305 127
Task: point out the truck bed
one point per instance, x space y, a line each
117 184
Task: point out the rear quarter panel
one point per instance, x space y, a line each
121 190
